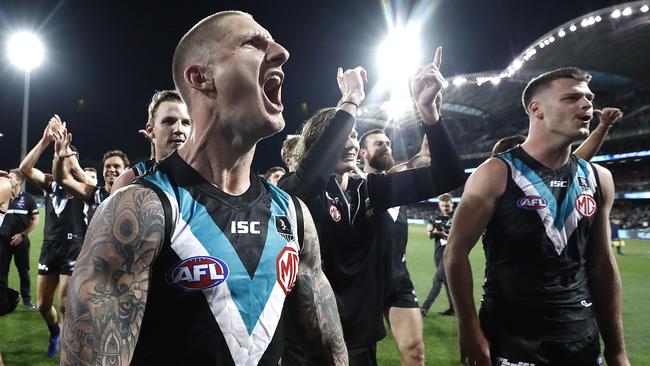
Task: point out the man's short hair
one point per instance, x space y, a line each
544 80
118 153
374 131
20 177
158 98
289 145
90 169
270 172
507 143
313 129
195 47
446 197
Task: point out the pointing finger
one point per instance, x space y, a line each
437 59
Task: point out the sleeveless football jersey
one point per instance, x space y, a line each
535 247
219 283
65 216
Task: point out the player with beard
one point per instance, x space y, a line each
167 129
400 304
63 235
551 281
199 245
347 208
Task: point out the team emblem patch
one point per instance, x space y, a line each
286 269
532 203
586 205
583 182
198 273
283 227
335 213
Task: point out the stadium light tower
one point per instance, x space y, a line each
398 58
26 52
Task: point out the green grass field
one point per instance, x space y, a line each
23 335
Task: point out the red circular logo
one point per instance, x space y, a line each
335 213
286 268
586 205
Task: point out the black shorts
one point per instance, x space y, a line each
363 356
400 293
509 349
59 256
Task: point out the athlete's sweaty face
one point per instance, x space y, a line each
113 167
246 71
348 159
378 152
170 127
567 108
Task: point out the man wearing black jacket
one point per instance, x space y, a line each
346 208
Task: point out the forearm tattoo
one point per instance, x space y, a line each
108 290
316 304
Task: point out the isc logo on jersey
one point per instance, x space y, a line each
532 203
286 268
198 273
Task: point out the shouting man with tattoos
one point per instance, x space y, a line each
200 261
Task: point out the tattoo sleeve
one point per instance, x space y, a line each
315 304
108 289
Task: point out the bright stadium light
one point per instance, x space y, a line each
627 11
459 81
399 58
573 28
644 9
26 52
616 14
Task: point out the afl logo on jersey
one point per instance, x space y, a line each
286 268
198 273
532 203
586 205
335 213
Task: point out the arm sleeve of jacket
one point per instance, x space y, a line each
315 169
414 185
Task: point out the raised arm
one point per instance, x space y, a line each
482 190
421 159
108 289
64 163
313 300
315 169
27 166
604 279
608 117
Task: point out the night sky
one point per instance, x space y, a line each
104 59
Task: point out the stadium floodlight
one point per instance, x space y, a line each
644 9
573 28
459 81
561 33
399 58
598 18
616 13
627 11
495 80
26 52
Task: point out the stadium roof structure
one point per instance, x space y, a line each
612 44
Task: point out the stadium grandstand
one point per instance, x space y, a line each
480 108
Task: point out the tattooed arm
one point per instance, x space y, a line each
109 286
315 304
